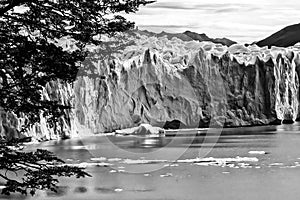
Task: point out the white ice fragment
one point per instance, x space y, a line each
103 164
118 190
257 152
101 159
114 159
206 164
135 162
166 175
143 129
220 160
85 165
78 147
276 164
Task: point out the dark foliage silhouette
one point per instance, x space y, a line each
31 59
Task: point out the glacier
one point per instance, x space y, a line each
174 84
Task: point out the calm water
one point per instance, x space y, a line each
243 163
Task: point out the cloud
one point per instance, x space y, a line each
226 10
167 26
198 6
173 6
244 21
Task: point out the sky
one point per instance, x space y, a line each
243 21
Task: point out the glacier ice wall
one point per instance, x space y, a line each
157 80
171 83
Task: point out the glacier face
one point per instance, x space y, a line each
157 80
172 83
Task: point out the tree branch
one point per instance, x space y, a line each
12 4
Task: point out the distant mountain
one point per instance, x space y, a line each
188 36
204 37
286 37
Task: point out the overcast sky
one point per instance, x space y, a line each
239 20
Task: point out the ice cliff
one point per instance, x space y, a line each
189 84
177 84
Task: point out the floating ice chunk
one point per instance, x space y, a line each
206 164
85 165
244 165
276 164
78 147
166 175
220 160
171 165
118 190
143 129
257 152
114 159
101 159
135 162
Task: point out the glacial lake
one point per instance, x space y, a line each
261 163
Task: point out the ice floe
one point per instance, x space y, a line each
114 159
220 160
166 175
134 162
118 190
276 164
257 152
143 129
171 165
101 159
86 164
236 163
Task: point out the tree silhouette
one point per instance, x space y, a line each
41 169
31 58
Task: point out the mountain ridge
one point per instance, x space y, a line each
286 37
187 36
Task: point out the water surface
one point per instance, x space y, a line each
242 163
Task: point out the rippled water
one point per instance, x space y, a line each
242 163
